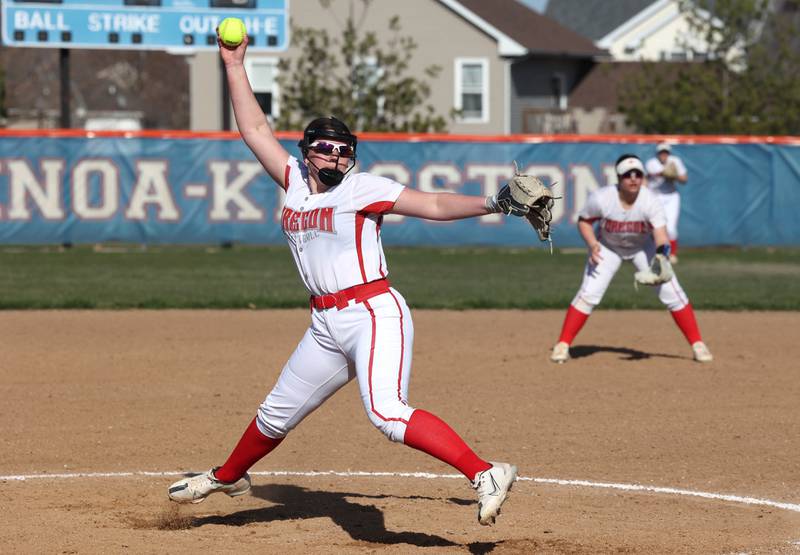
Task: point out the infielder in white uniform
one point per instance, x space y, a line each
360 326
665 172
631 224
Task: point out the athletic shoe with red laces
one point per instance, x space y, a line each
195 489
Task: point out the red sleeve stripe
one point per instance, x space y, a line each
378 207
286 177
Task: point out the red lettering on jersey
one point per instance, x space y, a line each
313 218
285 218
326 219
294 223
614 226
319 218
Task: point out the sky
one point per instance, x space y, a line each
538 5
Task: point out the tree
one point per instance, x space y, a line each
746 82
357 79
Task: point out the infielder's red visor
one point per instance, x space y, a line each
629 164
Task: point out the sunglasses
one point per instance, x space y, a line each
633 173
321 147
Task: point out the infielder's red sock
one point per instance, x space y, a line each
687 323
673 247
573 322
429 433
252 447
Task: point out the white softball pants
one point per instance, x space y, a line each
371 341
597 278
672 210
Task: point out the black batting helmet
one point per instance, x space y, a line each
329 128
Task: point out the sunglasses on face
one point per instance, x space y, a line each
321 147
633 173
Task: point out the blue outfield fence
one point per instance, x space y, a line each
174 187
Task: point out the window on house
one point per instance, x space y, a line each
263 73
559 84
472 90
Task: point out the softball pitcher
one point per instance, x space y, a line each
360 326
632 227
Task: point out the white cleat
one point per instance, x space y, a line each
560 352
196 488
673 259
493 486
701 352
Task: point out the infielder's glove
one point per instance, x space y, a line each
660 271
670 171
525 195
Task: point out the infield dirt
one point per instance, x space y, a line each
171 391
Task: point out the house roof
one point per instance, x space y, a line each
594 19
599 88
521 30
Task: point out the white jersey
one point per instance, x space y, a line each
624 231
335 236
657 182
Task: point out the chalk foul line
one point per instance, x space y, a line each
745 500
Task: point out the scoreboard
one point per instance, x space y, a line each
141 24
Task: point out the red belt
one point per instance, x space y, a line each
360 293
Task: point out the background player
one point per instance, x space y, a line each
360 327
665 171
631 223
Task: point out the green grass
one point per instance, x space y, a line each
120 277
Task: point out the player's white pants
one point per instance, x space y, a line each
597 278
371 341
672 211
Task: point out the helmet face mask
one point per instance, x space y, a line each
334 130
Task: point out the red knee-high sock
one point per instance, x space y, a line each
432 435
687 323
673 247
573 322
252 447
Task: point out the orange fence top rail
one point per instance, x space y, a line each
414 137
